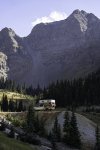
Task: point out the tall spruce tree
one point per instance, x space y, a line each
74 138
66 128
30 120
11 105
66 121
4 103
97 146
12 133
20 106
42 127
37 124
56 131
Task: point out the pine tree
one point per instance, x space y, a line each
54 146
18 88
56 131
20 106
12 133
3 126
50 136
13 86
66 128
42 127
37 124
59 133
74 138
11 105
30 120
97 146
16 106
66 121
4 103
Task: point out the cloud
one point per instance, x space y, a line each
53 16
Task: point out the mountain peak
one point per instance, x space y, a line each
80 12
6 29
84 12
60 50
84 19
79 18
76 11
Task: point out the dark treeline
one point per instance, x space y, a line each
11 105
78 92
22 89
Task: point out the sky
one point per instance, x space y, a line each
23 15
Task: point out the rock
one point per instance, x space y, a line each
3 66
64 49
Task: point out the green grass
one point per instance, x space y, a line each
12 144
15 95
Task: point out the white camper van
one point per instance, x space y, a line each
47 104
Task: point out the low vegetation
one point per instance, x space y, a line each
11 144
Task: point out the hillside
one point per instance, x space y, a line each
11 144
64 49
15 95
86 126
15 101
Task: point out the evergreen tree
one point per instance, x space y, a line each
66 121
12 133
66 128
2 126
18 88
4 103
97 146
11 105
56 131
16 106
37 124
59 133
74 138
20 106
30 120
54 146
13 86
50 136
24 88
42 127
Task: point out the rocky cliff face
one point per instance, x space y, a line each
61 50
18 59
3 66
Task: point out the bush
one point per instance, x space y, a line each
12 133
2 126
30 138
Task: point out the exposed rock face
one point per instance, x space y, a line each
65 49
3 66
18 59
